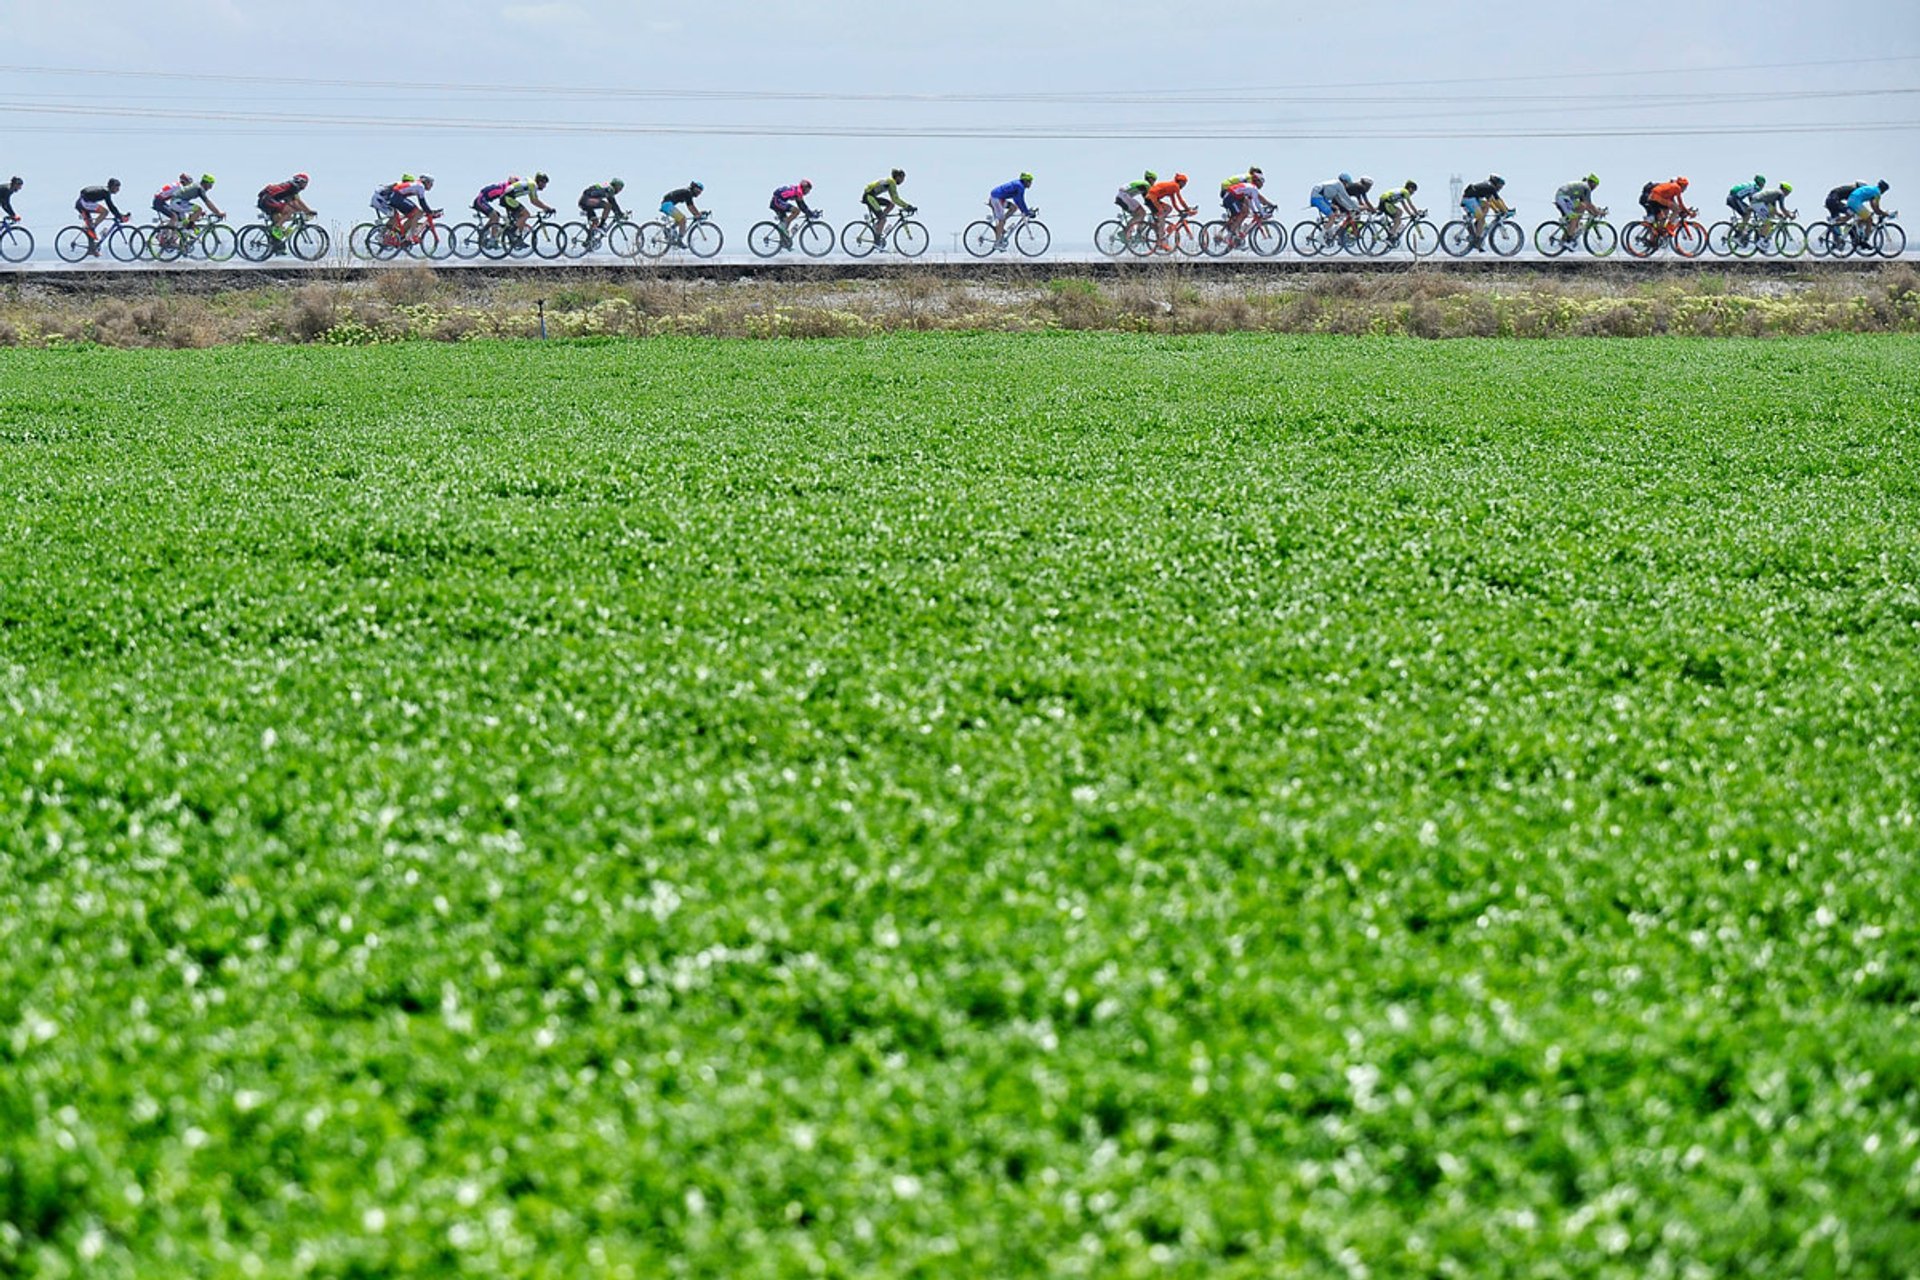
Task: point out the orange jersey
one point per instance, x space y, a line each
1667 193
1163 191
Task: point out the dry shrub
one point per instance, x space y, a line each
654 298
1078 304
9 336
455 325
312 313
192 328
113 325
408 286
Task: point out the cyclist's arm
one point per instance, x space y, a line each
694 209
6 201
215 209
801 203
535 197
613 203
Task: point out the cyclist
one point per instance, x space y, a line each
1740 197
881 195
1666 203
1006 197
279 201
530 188
1228 184
1230 200
1242 200
1160 195
484 203
402 204
1330 196
789 202
1398 204
1132 199
6 197
601 201
95 204
1771 204
1865 202
1478 197
175 204
1575 200
1837 201
670 207
1359 191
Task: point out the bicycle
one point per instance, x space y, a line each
1644 238
1744 237
1117 236
1343 230
904 236
619 234
16 242
814 237
1881 236
1416 234
165 242
541 237
1502 235
1587 231
382 242
700 237
1184 234
1260 232
122 241
307 241
1026 233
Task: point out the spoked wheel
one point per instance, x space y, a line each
1689 239
1601 239
910 238
1789 240
765 240
1306 238
1422 238
310 242
704 239
1720 241
1550 238
1267 239
1506 238
71 244
815 239
980 239
1639 239
1216 239
578 239
1110 237
492 241
217 243
549 240
464 239
163 244
360 240
1891 239
857 238
1144 240
654 239
1188 238
255 243
16 244
1033 238
1456 238
623 239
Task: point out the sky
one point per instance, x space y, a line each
745 96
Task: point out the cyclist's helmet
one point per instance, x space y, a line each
1412 186
206 179
406 177
113 184
1151 176
426 179
1180 179
696 186
1026 179
1884 184
1496 180
1759 179
1786 188
899 175
616 185
806 184
1593 179
16 182
540 179
1681 183
186 180
1257 178
1366 183
1346 177
301 180
1255 171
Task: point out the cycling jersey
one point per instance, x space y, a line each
490 193
1480 191
885 188
1329 196
1395 197
1666 193
1139 186
1014 192
787 198
415 190
6 200
1863 196
600 193
1246 195
1837 198
1164 190
679 195
279 192
1357 191
1128 198
1238 179
1745 190
1772 198
92 199
1574 193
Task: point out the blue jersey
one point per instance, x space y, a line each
1016 191
1862 196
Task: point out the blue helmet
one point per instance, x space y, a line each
1346 177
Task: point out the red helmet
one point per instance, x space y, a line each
300 179
806 184
1680 182
1180 178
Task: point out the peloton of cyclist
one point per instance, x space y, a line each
1132 199
1574 200
1398 204
1478 197
175 203
601 202
789 203
1005 198
881 195
279 201
529 189
1162 194
1864 202
94 205
670 207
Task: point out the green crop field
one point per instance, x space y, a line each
961 806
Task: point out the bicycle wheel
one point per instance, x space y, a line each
704 239
1380 237
1033 239
16 244
217 243
1110 238
71 244
910 238
654 239
580 239
1891 239
1267 239
1216 239
857 238
980 239
254 243
1601 239
815 239
161 244
310 242
492 242
1550 239
1456 238
360 240
1506 238
1789 240
1689 239
764 239
1143 241
1724 241
1422 238
549 240
1639 239
1306 238
623 239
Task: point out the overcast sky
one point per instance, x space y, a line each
745 94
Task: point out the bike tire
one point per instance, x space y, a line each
1689 239
655 238
463 239
1891 239
704 239
1032 238
1306 238
1422 238
980 239
1188 238
623 239
856 238
360 240
1110 238
70 244
1379 237
1601 239
1216 239
1789 240
1549 238
1639 239
815 239
1456 239
161 244
1506 238
254 243
764 240
217 244
1268 239
578 240
1145 241
1720 240
310 243
549 241
910 238
16 244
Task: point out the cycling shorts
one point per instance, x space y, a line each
667 208
1738 204
271 207
877 202
1001 208
1566 205
395 204
779 206
89 206
482 207
1130 201
1323 206
1232 203
1471 204
589 203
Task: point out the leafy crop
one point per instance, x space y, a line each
961 806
